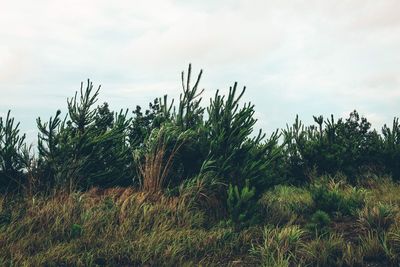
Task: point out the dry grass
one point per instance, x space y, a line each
127 227
286 204
157 163
385 191
115 227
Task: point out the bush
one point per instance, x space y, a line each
333 199
88 148
391 148
76 230
319 222
238 156
346 146
224 138
241 205
12 154
159 158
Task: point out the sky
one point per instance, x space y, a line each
294 57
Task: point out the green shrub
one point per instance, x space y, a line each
237 152
76 230
160 152
390 151
12 158
241 205
346 145
333 199
319 222
89 147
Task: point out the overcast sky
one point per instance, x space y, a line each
295 57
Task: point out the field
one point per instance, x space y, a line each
193 184
125 227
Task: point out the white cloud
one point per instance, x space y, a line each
295 56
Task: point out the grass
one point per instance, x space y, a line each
126 227
280 245
117 227
285 204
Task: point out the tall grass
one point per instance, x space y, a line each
158 162
114 227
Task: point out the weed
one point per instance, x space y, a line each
319 222
324 250
280 246
285 203
76 230
331 198
241 204
378 217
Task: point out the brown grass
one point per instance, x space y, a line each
157 165
132 227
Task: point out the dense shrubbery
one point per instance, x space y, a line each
89 147
93 146
166 146
348 146
199 170
14 154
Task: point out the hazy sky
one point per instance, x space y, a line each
305 57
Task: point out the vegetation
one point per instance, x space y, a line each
194 184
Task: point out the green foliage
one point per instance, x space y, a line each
241 204
76 230
190 113
238 156
223 138
319 222
95 146
89 147
347 146
331 198
12 149
160 151
144 122
192 165
391 148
